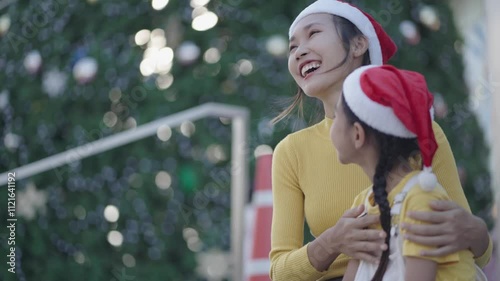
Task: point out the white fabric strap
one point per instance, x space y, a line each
400 197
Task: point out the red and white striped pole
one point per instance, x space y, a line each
260 215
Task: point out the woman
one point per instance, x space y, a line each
328 40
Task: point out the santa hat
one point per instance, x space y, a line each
395 102
381 47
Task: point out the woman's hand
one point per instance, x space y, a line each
348 236
450 229
354 239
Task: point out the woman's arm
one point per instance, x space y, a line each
420 269
453 227
290 259
352 268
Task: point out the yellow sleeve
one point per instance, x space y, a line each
418 200
289 259
360 198
445 168
483 260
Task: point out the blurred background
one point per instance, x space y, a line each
75 71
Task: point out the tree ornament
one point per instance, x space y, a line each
213 265
85 70
11 141
440 106
187 53
30 201
410 32
54 82
429 17
4 24
33 62
277 45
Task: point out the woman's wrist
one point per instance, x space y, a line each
479 239
322 251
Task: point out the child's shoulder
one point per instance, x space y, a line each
438 193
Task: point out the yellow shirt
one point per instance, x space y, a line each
458 266
309 183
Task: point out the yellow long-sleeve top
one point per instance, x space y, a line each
309 183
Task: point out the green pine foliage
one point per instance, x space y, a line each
66 238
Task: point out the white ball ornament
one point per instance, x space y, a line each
33 62
187 53
85 70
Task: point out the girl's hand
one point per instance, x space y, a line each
450 229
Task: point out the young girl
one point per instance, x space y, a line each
382 120
328 40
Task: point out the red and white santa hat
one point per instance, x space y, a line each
398 103
380 46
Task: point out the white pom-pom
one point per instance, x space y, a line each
427 179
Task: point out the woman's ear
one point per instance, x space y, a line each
359 46
358 135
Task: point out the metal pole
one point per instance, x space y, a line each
123 138
239 180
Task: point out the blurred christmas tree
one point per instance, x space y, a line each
77 71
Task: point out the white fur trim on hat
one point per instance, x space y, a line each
375 115
350 13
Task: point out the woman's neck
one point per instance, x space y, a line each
329 101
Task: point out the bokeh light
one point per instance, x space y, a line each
212 55
115 238
111 213
198 3
164 133
204 21
128 260
163 180
188 128
110 119
159 4
142 37
277 45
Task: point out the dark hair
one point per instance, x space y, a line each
391 150
347 31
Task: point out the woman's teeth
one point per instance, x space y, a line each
308 68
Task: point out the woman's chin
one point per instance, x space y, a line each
310 92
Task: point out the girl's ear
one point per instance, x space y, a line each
358 135
359 46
